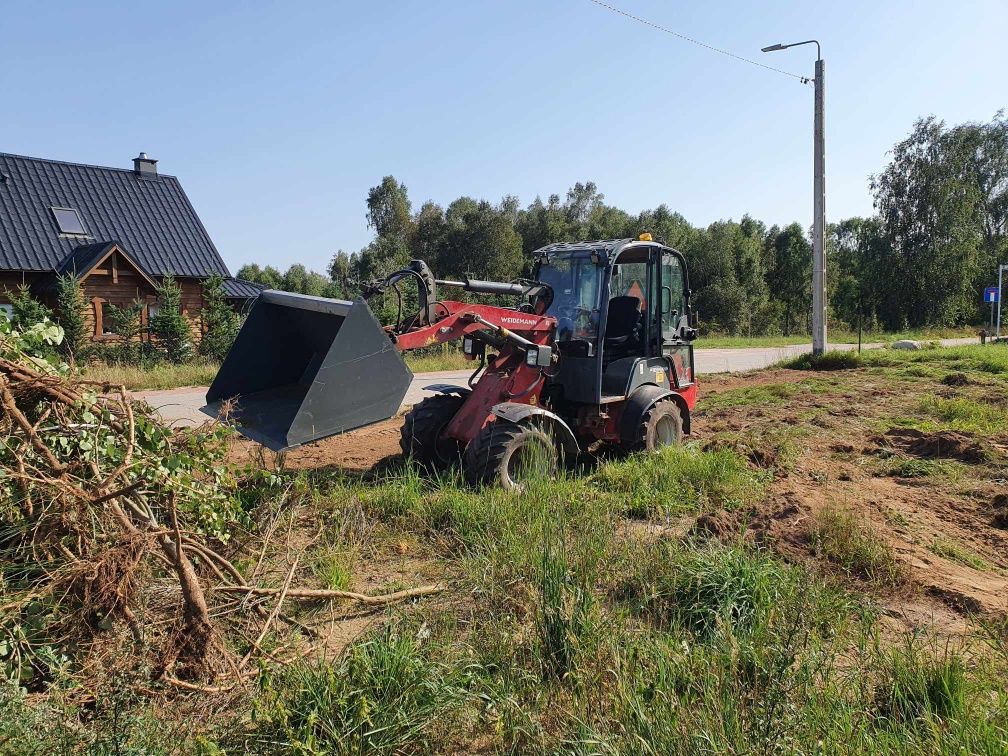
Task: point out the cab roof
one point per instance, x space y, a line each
611 248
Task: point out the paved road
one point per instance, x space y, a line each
182 406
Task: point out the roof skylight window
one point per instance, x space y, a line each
69 221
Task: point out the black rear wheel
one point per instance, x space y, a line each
510 455
421 435
660 426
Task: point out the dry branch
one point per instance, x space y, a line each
102 535
323 594
272 616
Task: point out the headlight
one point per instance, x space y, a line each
539 356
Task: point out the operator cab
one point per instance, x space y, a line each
622 310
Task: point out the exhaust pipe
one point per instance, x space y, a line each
303 368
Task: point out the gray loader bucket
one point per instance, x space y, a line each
303 368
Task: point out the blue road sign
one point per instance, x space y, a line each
991 294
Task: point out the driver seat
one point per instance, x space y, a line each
623 321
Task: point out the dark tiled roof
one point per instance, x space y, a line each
80 262
239 288
83 258
150 216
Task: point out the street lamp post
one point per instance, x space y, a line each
1001 270
818 201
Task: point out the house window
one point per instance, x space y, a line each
7 310
69 221
106 320
101 320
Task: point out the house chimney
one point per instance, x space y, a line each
145 166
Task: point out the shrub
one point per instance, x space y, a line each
36 343
70 308
124 322
222 322
27 310
169 326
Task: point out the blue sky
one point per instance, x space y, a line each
277 117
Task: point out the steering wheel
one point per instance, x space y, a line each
575 312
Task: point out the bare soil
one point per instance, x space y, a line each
838 465
357 451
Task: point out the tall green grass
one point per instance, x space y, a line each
713 590
383 696
854 546
765 394
957 552
680 480
966 414
561 634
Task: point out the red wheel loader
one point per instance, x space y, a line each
598 348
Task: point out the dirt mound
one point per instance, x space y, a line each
956 379
959 602
1000 504
938 445
720 524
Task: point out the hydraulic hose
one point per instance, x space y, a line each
472 378
531 386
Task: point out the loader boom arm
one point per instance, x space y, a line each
461 318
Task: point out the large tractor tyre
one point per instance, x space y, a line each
509 455
660 426
420 437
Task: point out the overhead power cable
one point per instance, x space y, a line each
659 27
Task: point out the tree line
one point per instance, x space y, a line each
935 240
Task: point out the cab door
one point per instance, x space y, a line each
673 317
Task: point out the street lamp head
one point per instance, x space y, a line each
779 46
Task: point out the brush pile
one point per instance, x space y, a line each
111 528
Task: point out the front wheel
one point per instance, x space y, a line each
421 436
510 455
660 426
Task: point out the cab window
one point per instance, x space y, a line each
673 294
575 284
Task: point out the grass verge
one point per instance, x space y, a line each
991 359
435 358
718 341
162 376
